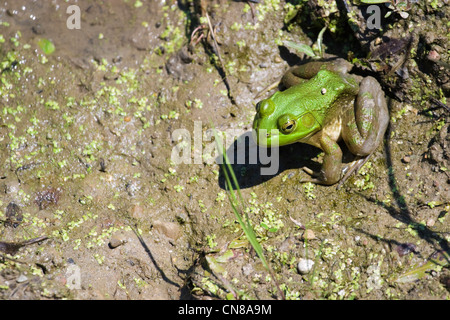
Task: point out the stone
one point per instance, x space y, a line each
308 235
137 212
170 229
117 239
305 266
21 278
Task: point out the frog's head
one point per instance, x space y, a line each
272 124
299 112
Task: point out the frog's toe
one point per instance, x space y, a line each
312 180
351 168
317 177
309 171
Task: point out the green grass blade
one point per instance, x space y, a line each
238 202
320 41
300 47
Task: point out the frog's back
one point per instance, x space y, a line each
325 95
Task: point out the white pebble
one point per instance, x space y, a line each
305 265
22 278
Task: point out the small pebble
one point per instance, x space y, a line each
114 243
308 235
116 240
430 222
433 55
169 229
406 159
22 278
137 212
305 266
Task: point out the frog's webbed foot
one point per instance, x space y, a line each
352 168
319 177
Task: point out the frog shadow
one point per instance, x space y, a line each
253 165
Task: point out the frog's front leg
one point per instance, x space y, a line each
332 161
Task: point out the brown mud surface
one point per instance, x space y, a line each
86 154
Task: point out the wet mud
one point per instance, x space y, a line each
87 147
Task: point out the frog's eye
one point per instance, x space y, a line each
287 123
288 126
258 106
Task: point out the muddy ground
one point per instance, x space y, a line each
86 138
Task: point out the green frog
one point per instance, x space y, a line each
323 104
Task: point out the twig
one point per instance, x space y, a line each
440 104
216 47
13 247
222 66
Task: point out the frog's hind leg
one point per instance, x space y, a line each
302 73
366 123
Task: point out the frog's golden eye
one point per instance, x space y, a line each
288 126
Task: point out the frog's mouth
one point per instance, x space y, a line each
266 138
274 138
262 137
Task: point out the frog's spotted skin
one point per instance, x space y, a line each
322 105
